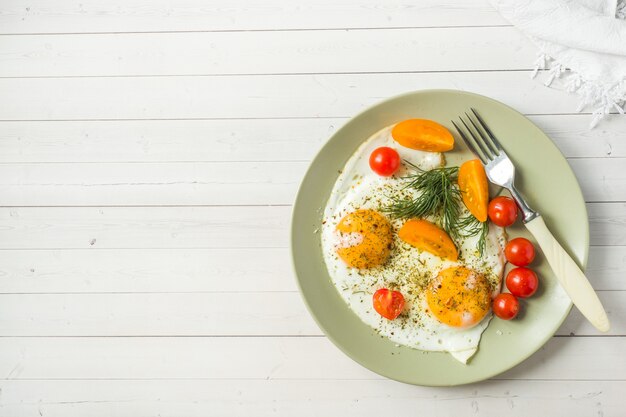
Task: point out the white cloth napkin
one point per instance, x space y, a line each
582 42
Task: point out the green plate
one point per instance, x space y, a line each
544 178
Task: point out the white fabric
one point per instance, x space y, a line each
588 37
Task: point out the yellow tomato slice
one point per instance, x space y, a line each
474 188
423 135
427 236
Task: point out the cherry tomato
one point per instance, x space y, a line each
384 161
519 251
505 306
502 211
522 282
388 303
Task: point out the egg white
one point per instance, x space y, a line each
407 268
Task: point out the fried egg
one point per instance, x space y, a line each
448 302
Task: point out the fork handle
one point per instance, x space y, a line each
569 275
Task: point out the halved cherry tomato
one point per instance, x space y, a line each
388 303
519 251
474 188
522 282
384 161
427 236
423 135
502 211
505 306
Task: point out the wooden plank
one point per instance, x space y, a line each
198 270
206 53
241 140
596 358
339 95
159 227
574 138
150 184
169 314
167 184
214 183
607 224
601 179
200 314
279 397
165 140
197 227
93 16
173 270
607 267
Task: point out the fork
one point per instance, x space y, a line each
501 171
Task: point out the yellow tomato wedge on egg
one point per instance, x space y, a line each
423 135
427 236
474 188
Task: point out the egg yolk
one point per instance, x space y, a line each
364 239
459 297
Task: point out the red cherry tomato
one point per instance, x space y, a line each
502 211
522 282
519 251
387 303
505 306
384 161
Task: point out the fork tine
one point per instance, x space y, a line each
470 145
494 151
478 141
489 133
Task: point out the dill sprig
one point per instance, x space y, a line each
471 226
438 196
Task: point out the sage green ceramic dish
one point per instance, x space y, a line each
543 176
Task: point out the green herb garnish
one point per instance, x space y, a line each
470 226
437 196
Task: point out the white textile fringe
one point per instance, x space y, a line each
601 98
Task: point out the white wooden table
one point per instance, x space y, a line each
149 154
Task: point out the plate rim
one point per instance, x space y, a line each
293 232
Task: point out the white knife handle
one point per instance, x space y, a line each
569 275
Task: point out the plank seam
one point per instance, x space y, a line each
131 119
262 74
310 29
